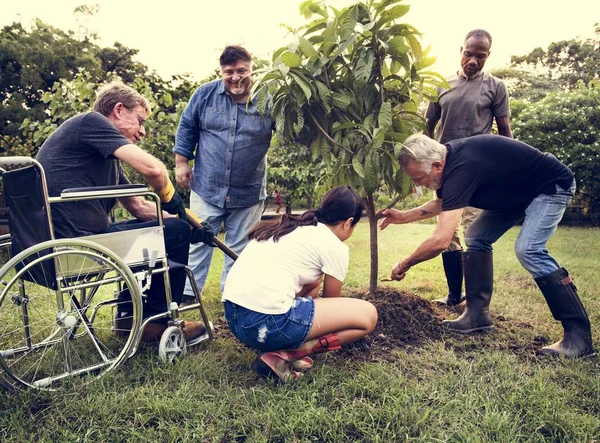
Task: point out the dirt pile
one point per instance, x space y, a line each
409 322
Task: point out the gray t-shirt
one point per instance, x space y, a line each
469 107
79 154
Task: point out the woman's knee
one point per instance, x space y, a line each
370 317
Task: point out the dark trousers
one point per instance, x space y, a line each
177 245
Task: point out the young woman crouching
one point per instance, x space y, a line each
271 295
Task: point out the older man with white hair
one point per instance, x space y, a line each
512 182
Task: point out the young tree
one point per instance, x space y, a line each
350 87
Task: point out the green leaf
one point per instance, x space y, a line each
348 22
262 98
291 59
308 49
315 26
393 13
404 61
363 69
384 4
415 46
385 116
397 46
370 180
327 47
378 138
340 127
399 29
299 124
310 7
275 74
358 167
341 100
303 84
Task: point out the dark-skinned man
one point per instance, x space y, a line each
512 182
469 107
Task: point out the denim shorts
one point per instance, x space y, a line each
271 332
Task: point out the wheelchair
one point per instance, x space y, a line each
59 297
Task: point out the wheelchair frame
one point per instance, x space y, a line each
56 305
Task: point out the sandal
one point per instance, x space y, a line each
283 371
302 364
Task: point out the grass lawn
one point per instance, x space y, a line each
447 388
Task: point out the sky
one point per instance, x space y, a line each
187 36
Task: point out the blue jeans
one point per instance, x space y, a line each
177 240
237 223
271 332
540 220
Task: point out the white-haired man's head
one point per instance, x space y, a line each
423 159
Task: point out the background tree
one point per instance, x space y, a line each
33 60
561 66
349 87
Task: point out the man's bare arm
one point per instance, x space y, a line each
153 170
503 124
433 246
428 210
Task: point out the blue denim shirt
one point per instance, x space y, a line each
229 142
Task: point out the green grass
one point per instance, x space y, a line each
452 389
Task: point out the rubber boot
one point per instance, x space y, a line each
561 295
453 268
479 283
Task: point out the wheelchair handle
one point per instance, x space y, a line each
16 162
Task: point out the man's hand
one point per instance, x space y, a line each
184 175
399 271
392 216
203 234
171 201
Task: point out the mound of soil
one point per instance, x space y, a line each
409 322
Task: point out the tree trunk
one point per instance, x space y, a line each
370 207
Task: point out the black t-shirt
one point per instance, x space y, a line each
500 173
79 154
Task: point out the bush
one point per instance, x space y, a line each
567 124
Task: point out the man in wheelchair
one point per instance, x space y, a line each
87 151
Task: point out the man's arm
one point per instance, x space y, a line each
432 115
503 124
433 246
431 124
183 171
154 172
186 139
141 208
395 217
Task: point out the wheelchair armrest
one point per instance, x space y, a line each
104 191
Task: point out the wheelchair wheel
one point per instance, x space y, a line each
57 302
172 345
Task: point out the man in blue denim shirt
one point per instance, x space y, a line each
228 139
512 182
